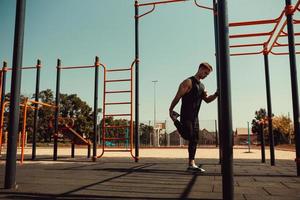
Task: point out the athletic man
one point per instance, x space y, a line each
192 92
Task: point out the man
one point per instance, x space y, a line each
191 92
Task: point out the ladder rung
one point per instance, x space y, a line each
118 91
123 126
117 150
108 139
118 70
117 103
118 80
111 115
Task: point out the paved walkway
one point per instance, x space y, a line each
160 174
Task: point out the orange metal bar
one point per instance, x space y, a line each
42 103
251 35
159 2
116 70
284 34
104 126
24 130
276 37
281 53
78 67
118 80
77 135
284 45
117 103
246 54
112 115
295 21
246 45
250 23
118 91
2 122
131 109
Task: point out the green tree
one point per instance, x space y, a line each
282 129
145 131
260 114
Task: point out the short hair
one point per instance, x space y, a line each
206 65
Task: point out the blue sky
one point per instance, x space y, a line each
173 41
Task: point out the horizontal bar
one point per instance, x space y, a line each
119 91
159 2
284 34
118 80
117 150
9 69
246 54
284 45
246 45
249 23
117 103
111 115
42 103
281 53
117 70
108 139
77 67
250 35
123 126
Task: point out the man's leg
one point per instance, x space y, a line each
181 128
193 147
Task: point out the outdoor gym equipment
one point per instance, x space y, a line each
267 47
107 130
3 73
57 100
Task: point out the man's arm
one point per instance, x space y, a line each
209 98
184 88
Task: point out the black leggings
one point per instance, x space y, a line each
189 130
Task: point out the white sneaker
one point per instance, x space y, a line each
195 169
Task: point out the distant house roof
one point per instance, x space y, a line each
242 131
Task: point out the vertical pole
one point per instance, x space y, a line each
72 150
269 105
154 112
262 142
89 150
13 126
216 32
136 131
294 85
97 64
248 137
4 72
57 100
35 120
22 135
216 131
225 98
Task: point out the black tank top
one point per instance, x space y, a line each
191 102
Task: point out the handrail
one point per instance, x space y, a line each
159 2
200 6
146 13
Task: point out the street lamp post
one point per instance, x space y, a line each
154 110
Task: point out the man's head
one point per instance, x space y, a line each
204 70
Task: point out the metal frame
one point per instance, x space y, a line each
59 68
267 48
